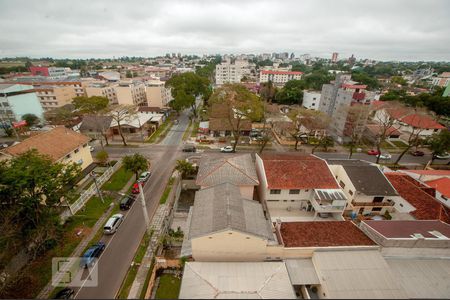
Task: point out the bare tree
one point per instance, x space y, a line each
119 113
240 104
385 125
356 121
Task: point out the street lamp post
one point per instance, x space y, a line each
144 208
99 192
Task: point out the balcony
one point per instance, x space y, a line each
354 203
328 200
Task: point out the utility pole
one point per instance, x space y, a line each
144 208
94 176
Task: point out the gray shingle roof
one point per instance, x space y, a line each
95 123
222 207
367 178
238 169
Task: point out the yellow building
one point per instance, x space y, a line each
60 144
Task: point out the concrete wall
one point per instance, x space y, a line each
229 246
311 100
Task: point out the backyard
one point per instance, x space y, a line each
118 180
168 287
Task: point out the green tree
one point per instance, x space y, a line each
63 115
185 168
186 87
439 143
398 80
129 74
135 163
268 91
291 93
102 157
364 78
32 186
240 104
90 105
119 113
316 79
31 119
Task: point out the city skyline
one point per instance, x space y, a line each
103 29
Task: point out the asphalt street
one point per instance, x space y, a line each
121 247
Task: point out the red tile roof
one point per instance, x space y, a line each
281 72
323 234
354 86
404 229
430 172
442 185
56 143
293 171
427 207
421 121
377 104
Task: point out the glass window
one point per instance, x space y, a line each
77 150
294 192
275 192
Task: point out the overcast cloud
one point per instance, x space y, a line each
378 29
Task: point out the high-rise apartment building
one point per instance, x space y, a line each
157 94
227 72
334 57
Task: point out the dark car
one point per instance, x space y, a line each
189 148
66 293
92 254
417 153
126 202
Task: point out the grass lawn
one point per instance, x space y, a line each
132 271
195 129
187 132
161 131
399 144
166 193
118 180
39 271
169 287
386 145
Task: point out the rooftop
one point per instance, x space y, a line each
429 172
238 280
427 207
367 178
293 171
396 229
323 234
56 143
354 86
442 185
222 207
238 169
421 121
281 72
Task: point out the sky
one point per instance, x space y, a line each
376 29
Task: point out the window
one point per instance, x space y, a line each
275 192
77 150
68 156
378 199
350 192
341 184
85 145
292 200
285 201
271 200
376 209
294 192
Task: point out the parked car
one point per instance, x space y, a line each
127 202
92 254
91 148
144 176
189 148
135 188
373 152
444 155
176 122
113 224
385 156
65 293
417 153
227 149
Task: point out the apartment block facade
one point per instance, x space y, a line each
227 72
278 77
157 94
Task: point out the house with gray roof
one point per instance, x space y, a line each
238 169
225 226
368 190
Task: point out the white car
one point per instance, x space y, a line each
113 224
385 156
445 155
227 149
91 148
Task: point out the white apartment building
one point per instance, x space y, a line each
311 100
226 72
125 92
157 94
278 77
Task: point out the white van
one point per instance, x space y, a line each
113 224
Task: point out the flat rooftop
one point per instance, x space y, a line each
323 234
406 229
